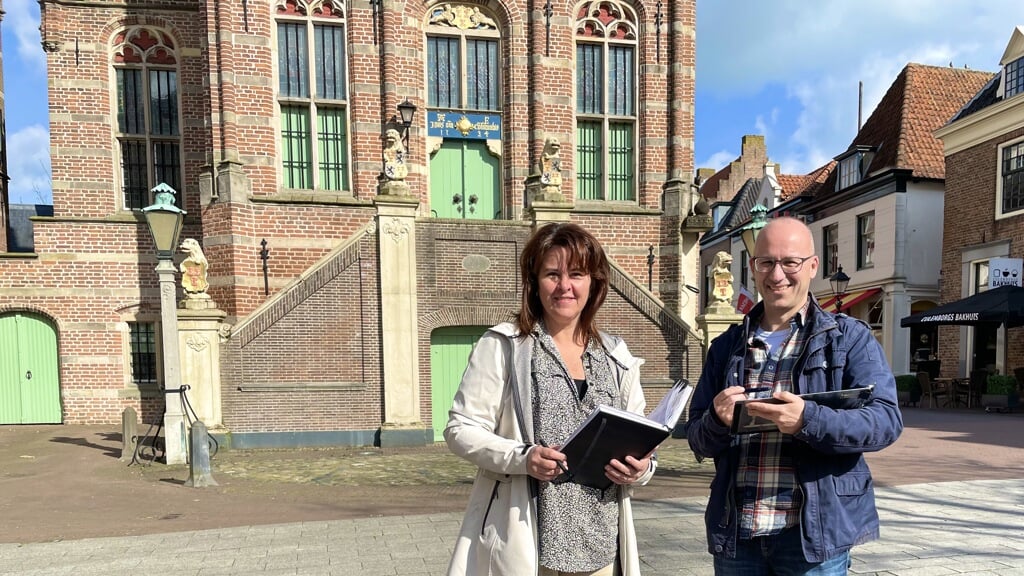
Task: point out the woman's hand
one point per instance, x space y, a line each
629 471
542 463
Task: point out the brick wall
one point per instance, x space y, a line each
94 270
968 222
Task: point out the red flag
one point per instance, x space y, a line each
745 301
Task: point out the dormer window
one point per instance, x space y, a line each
852 164
1013 77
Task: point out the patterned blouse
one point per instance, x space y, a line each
577 525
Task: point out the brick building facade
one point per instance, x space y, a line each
269 120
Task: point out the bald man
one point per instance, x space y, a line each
796 500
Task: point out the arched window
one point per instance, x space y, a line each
606 94
148 122
312 92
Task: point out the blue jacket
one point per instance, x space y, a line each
839 499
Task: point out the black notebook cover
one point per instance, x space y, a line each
847 399
611 433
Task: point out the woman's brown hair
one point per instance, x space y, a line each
585 253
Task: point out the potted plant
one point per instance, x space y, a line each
1000 393
908 389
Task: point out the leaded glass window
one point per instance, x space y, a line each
148 117
606 95
142 342
450 59
312 70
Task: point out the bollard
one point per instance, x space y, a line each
129 435
199 464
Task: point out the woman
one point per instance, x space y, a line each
528 385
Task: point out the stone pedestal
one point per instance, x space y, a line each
199 322
396 234
716 320
394 188
546 203
680 197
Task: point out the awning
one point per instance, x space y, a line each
850 299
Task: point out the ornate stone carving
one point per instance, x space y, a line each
197 342
395 228
194 269
721 274
462 17
395 167
551 164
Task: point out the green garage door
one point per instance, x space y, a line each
464 181
29 386
449 355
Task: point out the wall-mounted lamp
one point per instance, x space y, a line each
406 112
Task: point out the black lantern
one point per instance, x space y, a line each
840 281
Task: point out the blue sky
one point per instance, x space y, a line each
786 69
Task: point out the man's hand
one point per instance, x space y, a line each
788 416
725 400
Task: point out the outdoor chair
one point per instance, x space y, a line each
929 393
979 381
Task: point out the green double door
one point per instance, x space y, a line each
449 355
29 383
464 181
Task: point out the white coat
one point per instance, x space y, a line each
499 530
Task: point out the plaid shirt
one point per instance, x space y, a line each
767 490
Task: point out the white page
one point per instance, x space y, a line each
669 410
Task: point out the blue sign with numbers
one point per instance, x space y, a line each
464 126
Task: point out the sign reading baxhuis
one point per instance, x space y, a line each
466 126
1004 272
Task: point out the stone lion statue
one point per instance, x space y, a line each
194 269
721 275
551 163
394 156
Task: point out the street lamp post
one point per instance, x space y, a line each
165 221
840 280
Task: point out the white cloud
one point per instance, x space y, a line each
718 159
28 158
22 19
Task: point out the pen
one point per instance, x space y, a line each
561 465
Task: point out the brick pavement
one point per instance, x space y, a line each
928 529
951 498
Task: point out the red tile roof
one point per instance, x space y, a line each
804 185
921 99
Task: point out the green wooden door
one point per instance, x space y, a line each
29 385
464 181
449 355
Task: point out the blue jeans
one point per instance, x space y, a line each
777 555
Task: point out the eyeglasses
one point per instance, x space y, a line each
789 265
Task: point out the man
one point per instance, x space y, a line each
797 500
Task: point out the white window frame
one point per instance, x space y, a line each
999 213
